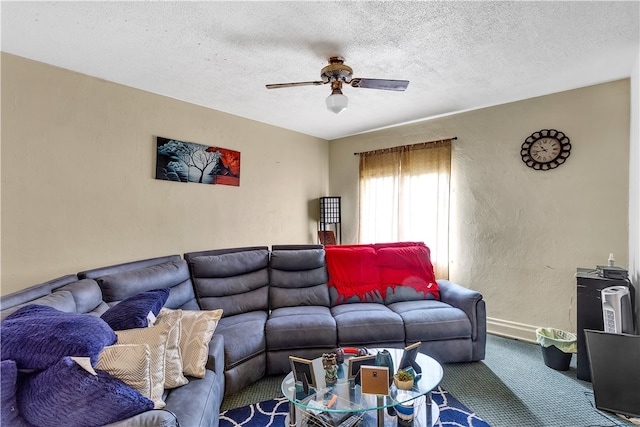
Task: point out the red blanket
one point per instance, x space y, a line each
364 270
353 271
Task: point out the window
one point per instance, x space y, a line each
404 196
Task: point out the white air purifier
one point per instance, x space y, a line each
616 310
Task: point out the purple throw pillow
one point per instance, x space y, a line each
132 312
37 336
68 395
9 415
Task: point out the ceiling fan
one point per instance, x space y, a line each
338 73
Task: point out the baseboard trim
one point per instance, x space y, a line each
509 329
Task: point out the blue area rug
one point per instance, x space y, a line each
272 413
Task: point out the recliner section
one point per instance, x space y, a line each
301 315
300 321
237 281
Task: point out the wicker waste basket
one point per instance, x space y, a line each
557 347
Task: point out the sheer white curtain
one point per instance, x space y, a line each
404 196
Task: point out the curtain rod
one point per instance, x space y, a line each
410 145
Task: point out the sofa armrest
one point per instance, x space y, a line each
152 418
466 300
215 362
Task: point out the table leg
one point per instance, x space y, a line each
380 402
292 415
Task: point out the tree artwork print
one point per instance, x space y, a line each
190 162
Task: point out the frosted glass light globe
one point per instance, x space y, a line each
337 102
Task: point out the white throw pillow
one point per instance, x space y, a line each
197 328
173 376
156 338
130 363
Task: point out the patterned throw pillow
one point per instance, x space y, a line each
130 363
156 338
133 312
197 329
173 376
66 394
37 336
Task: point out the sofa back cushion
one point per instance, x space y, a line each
298 277
234 280
94 273
62 301
79 296
42 292
122 281
87 296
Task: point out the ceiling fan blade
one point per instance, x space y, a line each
399 85
280 85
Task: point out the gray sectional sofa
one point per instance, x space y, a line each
276 303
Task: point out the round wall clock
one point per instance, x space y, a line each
545 149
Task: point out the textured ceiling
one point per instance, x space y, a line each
457 55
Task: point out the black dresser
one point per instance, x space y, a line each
589 311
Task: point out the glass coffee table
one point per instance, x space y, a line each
343 403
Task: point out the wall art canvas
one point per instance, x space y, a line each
190 162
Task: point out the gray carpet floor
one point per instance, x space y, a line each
512 387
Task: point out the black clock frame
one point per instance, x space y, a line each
525 150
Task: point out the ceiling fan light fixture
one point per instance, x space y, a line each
337 102
337 74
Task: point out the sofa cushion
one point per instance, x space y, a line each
245 373
124 284
300 327
28 295
156 338
197 404
367 324
62 301
408 272
298 296
432 321
133 312
87 296
66 394
353 272
236 281
197 328
37 336
243 337
298 276
130 363
9 414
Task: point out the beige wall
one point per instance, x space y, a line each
78 157
517 235
78 161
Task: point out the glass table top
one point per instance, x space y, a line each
346 396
